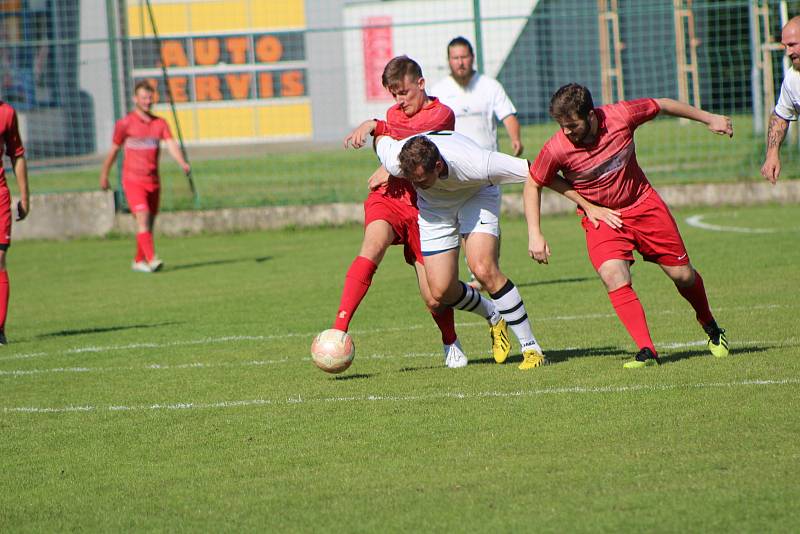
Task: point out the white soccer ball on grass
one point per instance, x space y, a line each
333 350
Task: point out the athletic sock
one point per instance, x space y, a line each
471 300
509 303
145 242
139 252
4 290
631 314
696 295
446 322
356 284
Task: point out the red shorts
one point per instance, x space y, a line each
648 228
403 219
142 196
5 216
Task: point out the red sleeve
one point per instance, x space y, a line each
11 136
120 132
382 128
545 166
640 111
165 131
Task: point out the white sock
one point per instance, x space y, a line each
472 301
509 303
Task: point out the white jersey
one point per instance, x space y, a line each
478 107
469 167
788 105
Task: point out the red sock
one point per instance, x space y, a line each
446 322
144 240
696 295
356 285
631 314
139 253
4 290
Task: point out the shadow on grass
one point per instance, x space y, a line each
558 281
212 263
703 353
102 330
557 356
357 376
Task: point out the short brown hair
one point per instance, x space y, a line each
418 151
460 41
571 100
143 84
395 72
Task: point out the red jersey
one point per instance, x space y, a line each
433 116
10 141
606 172
142 138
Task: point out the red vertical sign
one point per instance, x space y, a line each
377 40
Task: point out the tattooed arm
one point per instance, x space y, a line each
777 131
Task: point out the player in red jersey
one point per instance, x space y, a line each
11 144
141 132
594 150
390 211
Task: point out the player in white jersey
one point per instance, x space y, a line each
477 100
456 183
788 106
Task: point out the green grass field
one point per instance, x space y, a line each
669 152
186 400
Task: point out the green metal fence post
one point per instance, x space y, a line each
112 52
476 14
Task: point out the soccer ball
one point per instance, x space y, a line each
333 350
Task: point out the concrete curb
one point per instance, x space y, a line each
71 215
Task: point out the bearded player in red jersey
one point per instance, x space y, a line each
595 152
11 144
390 212
141 132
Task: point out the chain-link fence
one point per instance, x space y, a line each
264 90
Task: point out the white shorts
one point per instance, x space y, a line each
441 224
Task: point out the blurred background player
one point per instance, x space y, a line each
390 211
141 133
595 152
478 102
786 109
12 145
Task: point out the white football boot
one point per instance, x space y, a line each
454 356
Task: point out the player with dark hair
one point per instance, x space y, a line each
459 198
390 211
141 133
10 144
595 153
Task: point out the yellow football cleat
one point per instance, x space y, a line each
532 358
501 347
644 358
717 342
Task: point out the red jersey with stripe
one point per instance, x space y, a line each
141 138
605 172
432 116
11 142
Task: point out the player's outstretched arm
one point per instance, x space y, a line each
596 214
20 166
359 136
538 249
175 151
771 168
719 124
106 168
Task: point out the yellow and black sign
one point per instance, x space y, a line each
257 71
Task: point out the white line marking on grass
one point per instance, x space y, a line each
310 336
402 398
697 222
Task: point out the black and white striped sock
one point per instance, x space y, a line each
471 300
509 303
